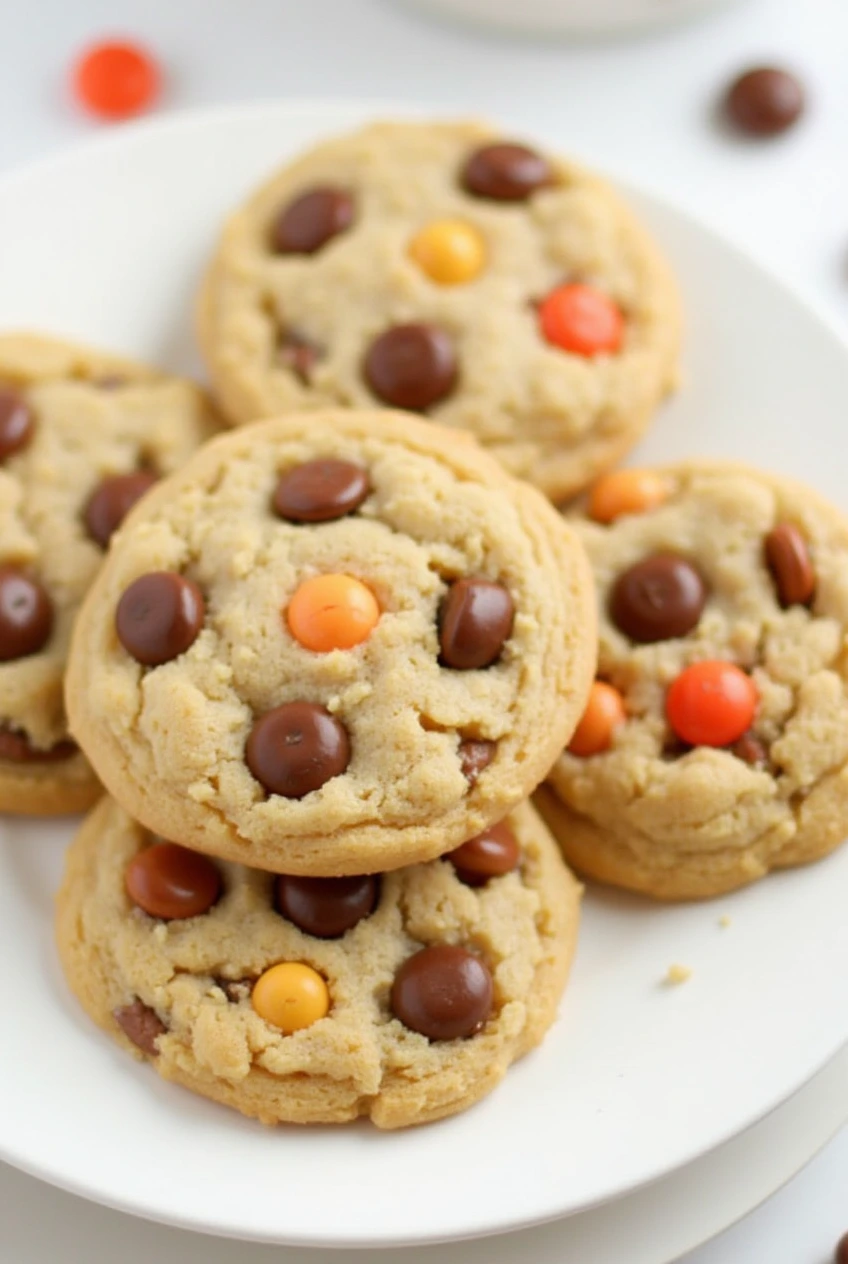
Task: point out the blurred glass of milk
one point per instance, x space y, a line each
570 17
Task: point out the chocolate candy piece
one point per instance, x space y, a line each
444 992
111 501
299 354
841 1256
311 220
141 1025
474 756
411 366
788 559
475 621
169 881
326 907
658 598
159 616
488 855
506 172
16 423
764 101
295 748
749 748
320 490
26 615
17 749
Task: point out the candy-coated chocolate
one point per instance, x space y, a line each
320 490
475 621
711 703
291 996
17 748
141 1025
789 561
115 79
16 422
449 251
311 220
604 713
26 614
505 172
299 354
764 101
111 501
474 756
326 907
626 492
841 1256
443 992
411 366
750 749
657 599
332 612
296 748
487 855
159 616
169 881
582 320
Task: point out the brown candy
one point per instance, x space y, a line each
320 490
764 101
474 756
169 881
506 172
298 353
311 220
657 599
111 501
17 749
488 855
326 907
475 621
159 616
16 423
749 748
411 366
141 1025
26 615
296 748
841 1256
444 992
788 559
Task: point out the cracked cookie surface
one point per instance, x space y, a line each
671 817
386 228
186 984
396 754
71 418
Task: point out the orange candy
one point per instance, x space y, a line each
626 492
581 319
115 79
711 703
291 996
604 713
332 612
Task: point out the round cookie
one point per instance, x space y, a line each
82 435
436 267
204 686
185 993
723 617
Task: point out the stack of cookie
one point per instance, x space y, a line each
320 672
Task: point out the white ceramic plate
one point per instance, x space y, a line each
636 1078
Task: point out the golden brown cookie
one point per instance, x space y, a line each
440 268
715 744
403 998
205 687
82 435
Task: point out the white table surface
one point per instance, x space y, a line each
643 108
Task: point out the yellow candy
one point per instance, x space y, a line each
449 251
290 996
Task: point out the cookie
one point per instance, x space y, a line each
333 644
715 744
83 434
403 997
439 268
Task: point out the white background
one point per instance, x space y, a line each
644 108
